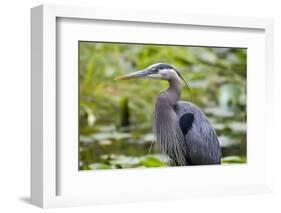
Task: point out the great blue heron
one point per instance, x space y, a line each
182 130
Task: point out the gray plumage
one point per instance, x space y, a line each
201 138
200 145
182 130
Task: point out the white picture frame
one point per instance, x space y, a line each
46 161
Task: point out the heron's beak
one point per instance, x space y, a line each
138 74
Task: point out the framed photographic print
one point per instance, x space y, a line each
132 105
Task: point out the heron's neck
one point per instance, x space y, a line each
167 130
174 90
172 95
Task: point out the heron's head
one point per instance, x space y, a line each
155 71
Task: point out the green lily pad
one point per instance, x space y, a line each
99 166
233 159
151 161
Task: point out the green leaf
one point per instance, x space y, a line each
151 161
233 159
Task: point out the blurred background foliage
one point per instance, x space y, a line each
116 118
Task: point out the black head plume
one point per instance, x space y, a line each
185 83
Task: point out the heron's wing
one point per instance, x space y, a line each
199 133
186 121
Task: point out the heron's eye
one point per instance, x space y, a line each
155 70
